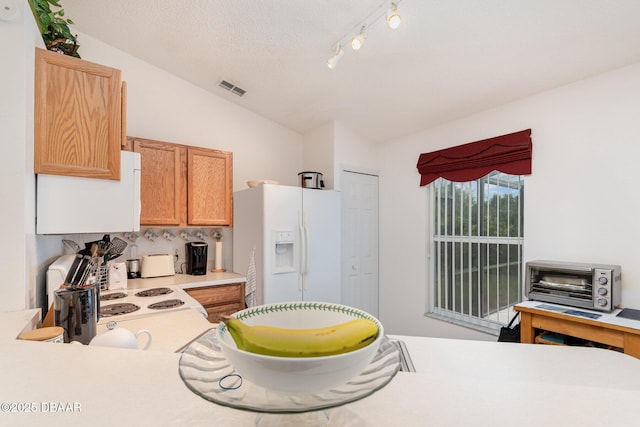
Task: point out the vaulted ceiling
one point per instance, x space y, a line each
447 60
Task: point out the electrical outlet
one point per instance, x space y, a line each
177 256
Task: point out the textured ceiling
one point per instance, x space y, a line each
448 59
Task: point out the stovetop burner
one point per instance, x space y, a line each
118 309
170 303
110 297
127 304
154 292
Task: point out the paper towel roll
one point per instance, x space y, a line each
218 261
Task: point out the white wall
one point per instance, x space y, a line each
17 189
580 201
353 152
164 107
333 147
319 152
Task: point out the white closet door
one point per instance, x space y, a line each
360 241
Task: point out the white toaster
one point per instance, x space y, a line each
157 265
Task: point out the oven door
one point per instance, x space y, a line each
555 284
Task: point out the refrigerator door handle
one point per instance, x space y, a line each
307 249
302 261
306 254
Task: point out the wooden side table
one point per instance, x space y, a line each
605 330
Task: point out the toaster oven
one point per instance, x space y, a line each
591 286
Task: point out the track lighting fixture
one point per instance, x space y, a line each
358 40
394 19
333 61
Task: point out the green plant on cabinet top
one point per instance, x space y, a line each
54 27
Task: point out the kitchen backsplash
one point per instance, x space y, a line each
166 241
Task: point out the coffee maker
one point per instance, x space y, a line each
196 254
133 263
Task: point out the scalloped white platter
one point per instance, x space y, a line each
206 372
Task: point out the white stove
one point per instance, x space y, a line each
124 304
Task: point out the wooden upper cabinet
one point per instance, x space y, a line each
79 117
209 187
162 184
182 186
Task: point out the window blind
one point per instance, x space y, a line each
510 154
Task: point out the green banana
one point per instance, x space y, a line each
272 341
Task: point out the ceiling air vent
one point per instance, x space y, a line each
232 88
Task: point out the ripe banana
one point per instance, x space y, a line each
272 341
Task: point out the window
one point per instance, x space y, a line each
476 250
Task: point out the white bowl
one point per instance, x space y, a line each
295 374
257 182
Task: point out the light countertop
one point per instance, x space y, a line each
610 318
187 281
457 383
170 331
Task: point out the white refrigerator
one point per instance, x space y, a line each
295 233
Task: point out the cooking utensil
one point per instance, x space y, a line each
117 247
108 249
80 273
88 272
48 319
88 267
311 180
73 270
102 245
71 245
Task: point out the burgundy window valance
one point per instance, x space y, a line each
509 153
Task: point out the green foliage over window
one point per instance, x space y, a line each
477 249
487 207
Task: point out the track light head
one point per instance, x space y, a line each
394 19
358 40
335 58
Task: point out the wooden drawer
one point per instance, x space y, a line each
214 295
219 300
214 313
